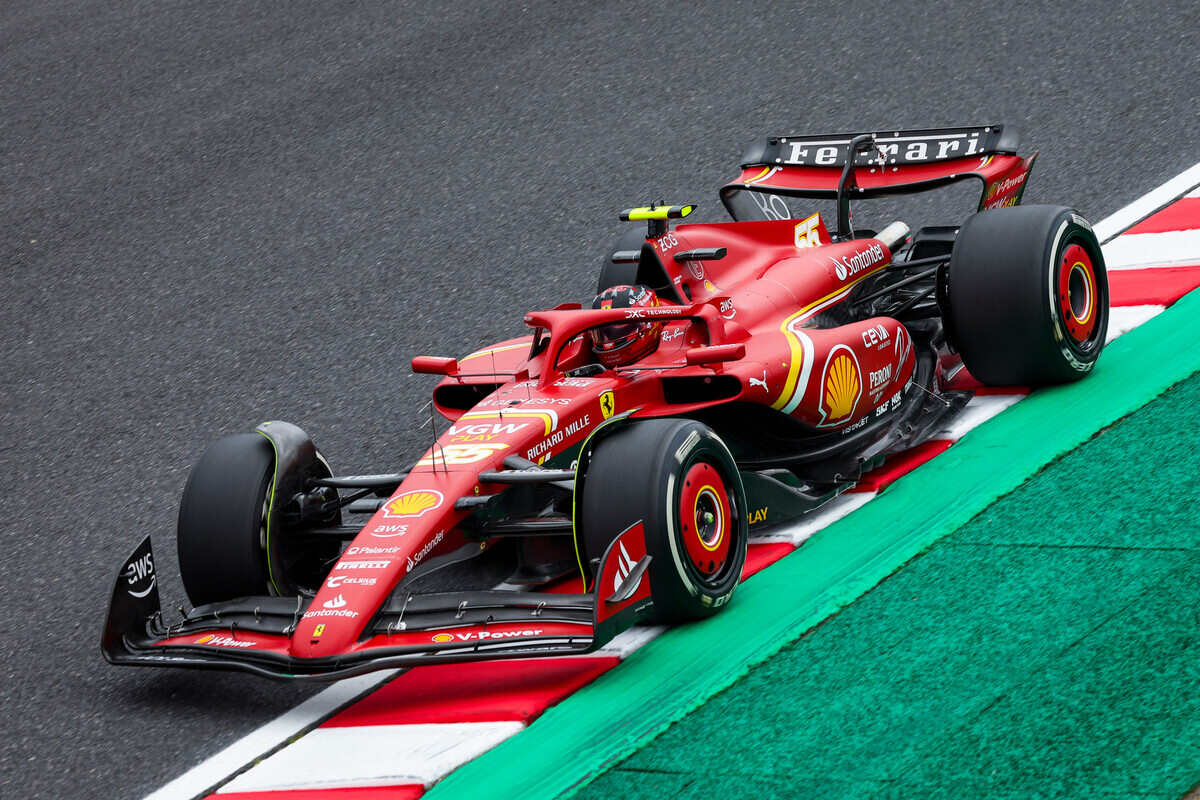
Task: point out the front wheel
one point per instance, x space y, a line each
242 526
679 480
1028 296
223 521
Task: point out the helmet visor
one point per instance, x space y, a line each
611 336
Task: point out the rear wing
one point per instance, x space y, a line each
893 162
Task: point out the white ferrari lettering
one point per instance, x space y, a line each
826 156
946 146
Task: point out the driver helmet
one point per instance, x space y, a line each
625 342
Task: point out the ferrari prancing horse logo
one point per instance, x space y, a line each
608 405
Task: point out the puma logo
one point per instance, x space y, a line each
762 383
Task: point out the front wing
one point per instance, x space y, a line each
254 634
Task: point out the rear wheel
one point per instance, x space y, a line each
1028 296
678 479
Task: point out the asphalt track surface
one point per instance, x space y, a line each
214 215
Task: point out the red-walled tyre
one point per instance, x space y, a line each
678 478
1028 296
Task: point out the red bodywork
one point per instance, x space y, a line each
743 328
761 295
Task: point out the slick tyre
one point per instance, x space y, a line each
679 479
1028 296
222 518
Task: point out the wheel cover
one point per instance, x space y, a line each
1077 293
705 519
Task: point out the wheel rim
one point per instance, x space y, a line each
705 520
1078 294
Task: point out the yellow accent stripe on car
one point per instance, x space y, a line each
492 350
762 176
797 348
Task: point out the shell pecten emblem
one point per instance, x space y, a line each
413 504
842 385
442 638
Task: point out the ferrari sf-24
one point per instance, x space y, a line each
728 379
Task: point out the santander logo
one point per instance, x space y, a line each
851 265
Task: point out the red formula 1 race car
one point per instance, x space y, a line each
729 377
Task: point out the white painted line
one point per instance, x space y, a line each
373 755
1149 250
1123 319
1147 204
1193 193
199 780
631 639
823 517
977 411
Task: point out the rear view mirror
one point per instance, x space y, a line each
434 365
715 354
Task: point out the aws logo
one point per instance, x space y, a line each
137 571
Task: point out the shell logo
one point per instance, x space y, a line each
843 386
442 638
413 504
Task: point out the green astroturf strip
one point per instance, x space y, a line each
660 683
1048 648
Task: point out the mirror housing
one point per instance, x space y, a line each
715 354
434 365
